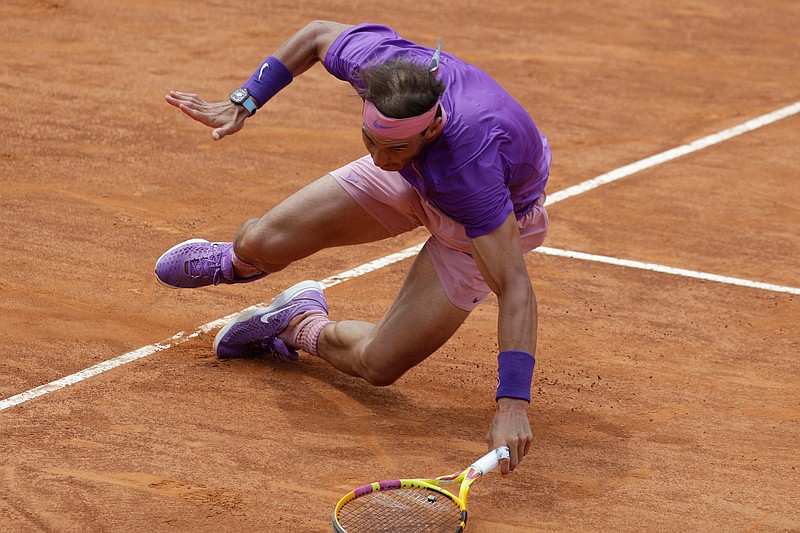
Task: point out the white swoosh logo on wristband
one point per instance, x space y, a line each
260 72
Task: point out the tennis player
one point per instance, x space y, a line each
450 150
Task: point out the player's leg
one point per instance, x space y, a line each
320 215
420 321
443 286
389 206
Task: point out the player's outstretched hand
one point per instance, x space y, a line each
225 117
511 428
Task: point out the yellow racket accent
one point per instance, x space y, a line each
410 505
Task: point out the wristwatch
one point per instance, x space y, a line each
241 97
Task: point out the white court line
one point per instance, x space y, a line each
674 153
667 270
580 188
182 337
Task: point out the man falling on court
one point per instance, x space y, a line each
449 149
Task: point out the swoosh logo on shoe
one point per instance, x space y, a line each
260 72
266 316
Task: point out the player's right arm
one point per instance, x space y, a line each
297 54
309 45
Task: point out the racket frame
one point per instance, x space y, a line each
466 477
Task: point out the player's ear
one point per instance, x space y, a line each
434 129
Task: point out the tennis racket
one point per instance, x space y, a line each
412 505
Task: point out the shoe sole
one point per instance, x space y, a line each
170 250
279 300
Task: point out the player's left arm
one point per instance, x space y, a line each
500 259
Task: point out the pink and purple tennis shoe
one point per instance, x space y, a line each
256 332
197 263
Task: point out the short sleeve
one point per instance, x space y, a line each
362 45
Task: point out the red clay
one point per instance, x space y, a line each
661 403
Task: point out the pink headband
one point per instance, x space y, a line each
396 128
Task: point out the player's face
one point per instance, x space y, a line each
392 155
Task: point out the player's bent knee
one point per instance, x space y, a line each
379 380
381 374
261 246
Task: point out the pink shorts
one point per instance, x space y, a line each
398 207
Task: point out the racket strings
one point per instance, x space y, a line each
401 510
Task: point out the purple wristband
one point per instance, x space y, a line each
268 80
514 375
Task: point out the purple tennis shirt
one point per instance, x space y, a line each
490 159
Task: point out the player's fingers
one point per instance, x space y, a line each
505 467
206 118
189 97
174 101
186 102
194 113
176 98
515 456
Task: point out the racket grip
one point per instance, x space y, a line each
491 460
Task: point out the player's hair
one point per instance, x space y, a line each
400 88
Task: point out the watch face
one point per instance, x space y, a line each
239 95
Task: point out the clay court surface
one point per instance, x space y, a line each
662 403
